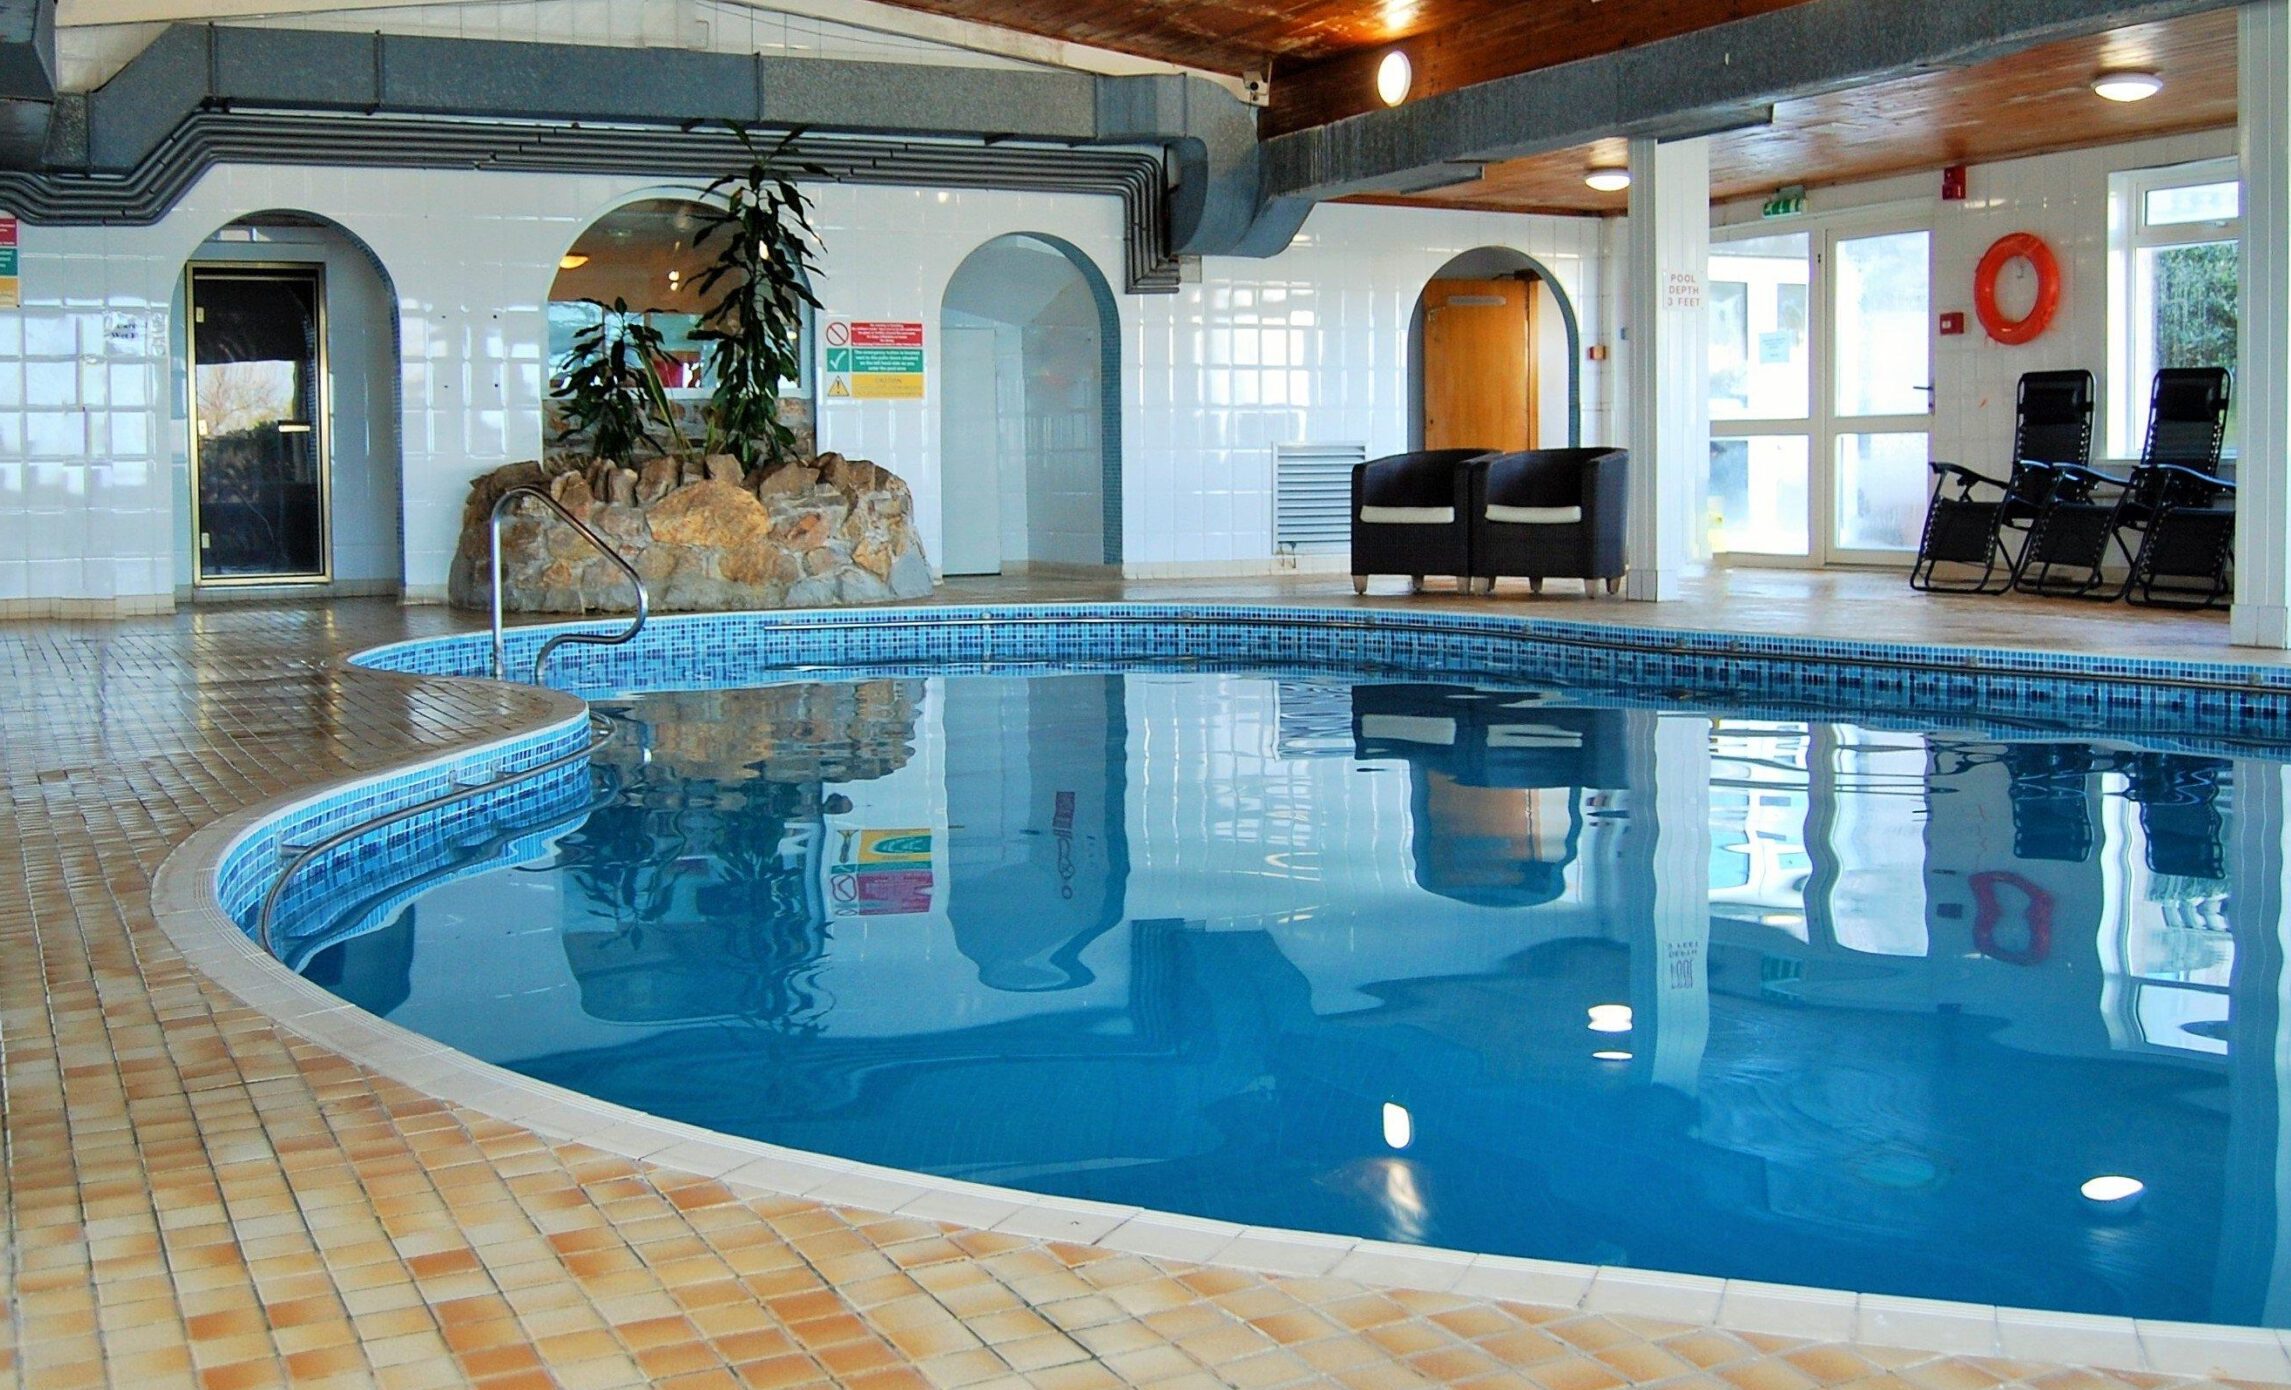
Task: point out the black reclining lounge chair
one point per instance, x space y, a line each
1966 522
2090 518
1408 517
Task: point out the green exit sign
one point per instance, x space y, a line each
1788 203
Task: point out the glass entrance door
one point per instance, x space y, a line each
258 424
1762 346
1881 394
1820 399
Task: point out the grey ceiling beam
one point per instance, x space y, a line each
191 68
1209 137
1711 79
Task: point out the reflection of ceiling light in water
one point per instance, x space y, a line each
571 260
1403 1203
1610 1056
1610 1018
2113 1191
1394 76
1399 1126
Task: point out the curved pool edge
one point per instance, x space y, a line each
188 906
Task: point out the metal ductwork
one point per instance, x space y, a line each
27 80
207 94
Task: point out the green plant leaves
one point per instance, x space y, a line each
613 391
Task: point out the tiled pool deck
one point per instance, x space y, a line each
196 1194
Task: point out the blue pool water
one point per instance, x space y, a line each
1504 968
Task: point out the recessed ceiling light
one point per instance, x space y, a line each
1394 76
571 260
1607 178
2127 85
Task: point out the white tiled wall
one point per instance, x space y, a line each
1308 345
2062 198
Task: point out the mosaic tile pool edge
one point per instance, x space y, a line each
2252 702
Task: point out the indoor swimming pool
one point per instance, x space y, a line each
1617 972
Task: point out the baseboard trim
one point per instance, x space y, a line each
186 594
1337 563
87 609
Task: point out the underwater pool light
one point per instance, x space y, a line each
1610 1056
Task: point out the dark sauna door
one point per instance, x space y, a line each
258 423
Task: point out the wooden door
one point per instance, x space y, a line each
1476 387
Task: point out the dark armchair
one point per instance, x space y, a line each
1408 517
1549 513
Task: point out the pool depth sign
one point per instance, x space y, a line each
874 360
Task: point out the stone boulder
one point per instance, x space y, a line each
704 536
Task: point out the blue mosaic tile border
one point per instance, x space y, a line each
2216 699
2182 700
252 862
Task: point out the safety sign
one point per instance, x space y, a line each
874 360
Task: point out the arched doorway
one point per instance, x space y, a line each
285 379
642 253
1029 418
1494 357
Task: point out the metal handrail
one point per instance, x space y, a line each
600 731
596 639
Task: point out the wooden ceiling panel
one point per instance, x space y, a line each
2031 103
1452 42
1451 50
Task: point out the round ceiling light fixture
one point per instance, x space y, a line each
1607 178
2127 84
572 260
1394 76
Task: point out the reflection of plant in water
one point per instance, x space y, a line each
620 859
710 917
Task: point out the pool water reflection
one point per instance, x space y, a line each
1507 970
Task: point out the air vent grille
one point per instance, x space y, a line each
1312 511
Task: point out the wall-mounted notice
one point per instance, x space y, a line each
11 286
874 360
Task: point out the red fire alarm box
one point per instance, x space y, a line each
1953 184
1953 324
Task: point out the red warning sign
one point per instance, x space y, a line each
867 333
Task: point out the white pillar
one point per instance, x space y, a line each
1666 266
2262 615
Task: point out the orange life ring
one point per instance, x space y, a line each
2019 246
1987 911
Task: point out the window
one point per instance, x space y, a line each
643 253
2173 284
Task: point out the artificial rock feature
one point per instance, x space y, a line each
706 537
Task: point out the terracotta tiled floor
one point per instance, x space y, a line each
195 1196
